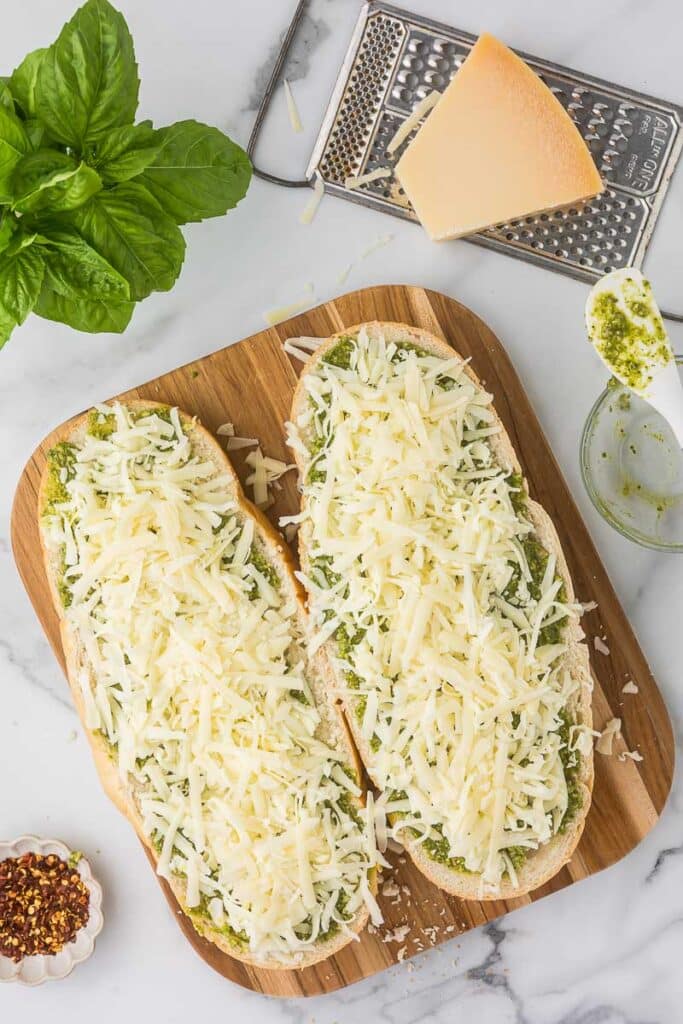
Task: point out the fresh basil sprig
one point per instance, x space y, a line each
90 202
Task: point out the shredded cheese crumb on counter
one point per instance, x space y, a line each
629 687
446 617
197 680
279 313
379 243
311 208
600 646
292 109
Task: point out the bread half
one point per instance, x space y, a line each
123 789
548 859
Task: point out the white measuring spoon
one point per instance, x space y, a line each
627 331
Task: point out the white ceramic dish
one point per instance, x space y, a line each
33 970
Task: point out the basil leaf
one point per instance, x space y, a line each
93 316
21 278
7 325
125 152
75 270
14 144
38 168
133 233
8 225
48 181
36 134
87 81
198 173
6 98
23 82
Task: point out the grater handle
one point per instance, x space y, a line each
265 104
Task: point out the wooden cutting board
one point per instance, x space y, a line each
251 385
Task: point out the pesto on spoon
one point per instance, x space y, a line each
627 331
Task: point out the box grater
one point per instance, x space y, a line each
395 58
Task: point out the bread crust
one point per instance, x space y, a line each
333 727
544 863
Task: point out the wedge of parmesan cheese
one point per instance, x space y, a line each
497 147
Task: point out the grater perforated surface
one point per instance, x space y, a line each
396 58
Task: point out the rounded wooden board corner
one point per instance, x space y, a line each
627 797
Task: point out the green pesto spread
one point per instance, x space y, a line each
346 643
517 855
60 470
323 563
340 354
571 762
305 929
628 332
201 914
262 565
439 850
301 696
316 473
61 457
517 492
102 425
347 806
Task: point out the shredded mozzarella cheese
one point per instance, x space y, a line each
292 109
311 208
194 673
418 576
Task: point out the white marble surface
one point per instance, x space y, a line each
605 952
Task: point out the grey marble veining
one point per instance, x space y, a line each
310 34
607 951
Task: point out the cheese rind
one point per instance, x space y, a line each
498 146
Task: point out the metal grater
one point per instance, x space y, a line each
395 58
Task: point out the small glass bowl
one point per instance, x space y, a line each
632 468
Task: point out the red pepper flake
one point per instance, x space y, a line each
43 904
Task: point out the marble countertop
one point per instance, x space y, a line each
607 951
